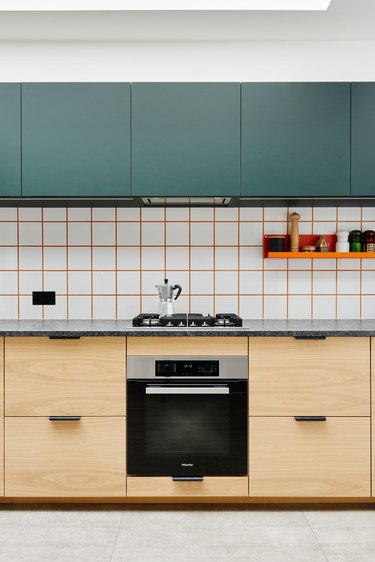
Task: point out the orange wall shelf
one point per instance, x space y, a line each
310 240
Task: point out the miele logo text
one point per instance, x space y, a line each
187 464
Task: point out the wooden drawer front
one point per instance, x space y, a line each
47 377
1 456
174 345
83 458
160 486
309 459
289 377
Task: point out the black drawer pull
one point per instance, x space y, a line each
64 337
64 418
187 478
310 418
310 337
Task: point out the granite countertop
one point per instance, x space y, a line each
76 328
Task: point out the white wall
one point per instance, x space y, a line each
187 61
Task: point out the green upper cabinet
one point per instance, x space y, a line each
363 139
186 139
10 140
76 140
295 139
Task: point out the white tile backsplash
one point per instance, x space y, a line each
216 255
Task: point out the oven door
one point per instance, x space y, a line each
181 428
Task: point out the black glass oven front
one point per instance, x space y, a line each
187 428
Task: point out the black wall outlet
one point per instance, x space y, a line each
44 297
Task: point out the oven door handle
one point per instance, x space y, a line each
187 390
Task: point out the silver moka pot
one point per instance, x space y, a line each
166 296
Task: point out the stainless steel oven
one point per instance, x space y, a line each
187 417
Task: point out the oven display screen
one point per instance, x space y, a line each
187 368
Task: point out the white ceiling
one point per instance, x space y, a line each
344 20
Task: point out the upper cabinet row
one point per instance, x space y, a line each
187 139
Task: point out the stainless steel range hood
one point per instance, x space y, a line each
186 201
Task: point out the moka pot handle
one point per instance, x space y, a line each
179 289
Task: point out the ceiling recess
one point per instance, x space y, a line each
156 5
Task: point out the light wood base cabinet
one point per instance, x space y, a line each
84 458
175 345
330 458
160 486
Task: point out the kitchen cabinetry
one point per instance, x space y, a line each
1 416
174 345
186 139
166 487
75 140
295 140
82 379
327 381
10 140
363 138
373 412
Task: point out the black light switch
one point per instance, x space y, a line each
44 297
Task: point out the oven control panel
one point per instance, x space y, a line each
187 368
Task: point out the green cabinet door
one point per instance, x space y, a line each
295 140
75 140
185 139
10 140
363 140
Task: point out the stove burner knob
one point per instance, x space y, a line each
204 324
193 324
181 324
169 324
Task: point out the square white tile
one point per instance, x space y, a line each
202 258
368 214
348 282
28 311
79 258
152 214
202 234
348 306
176 214
226 233
251 258
153 258
9 307
368 307
128 214
8 213
349 213
128 257
276 227
274 307
251 282
150 304
228 214
251 213
103 214
152 234
274 283
29 281
251 234
226 258
324 307
299 282
324 282
348 264
8 233
181 305
30 258
79 308
320 228
55 281
324 213
325 264
368 282
201 282
128 307
79 282
226 282
177 233
57 311
104 308
54 258
103 233
8 282
276 214
79 213
203 305
295 264
226 304
177 278
368 263
305 227
8 258
104 283
30 213
79 233
251 307
128 233
202 214
128 283
30 233
54 233
275 264
54 214
178 258
299 307
104 258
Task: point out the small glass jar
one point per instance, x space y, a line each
368 241
355 243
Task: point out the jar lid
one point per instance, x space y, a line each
283 236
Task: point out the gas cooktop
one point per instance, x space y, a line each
190 319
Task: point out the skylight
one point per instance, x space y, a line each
156 5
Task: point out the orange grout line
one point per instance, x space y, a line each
67 260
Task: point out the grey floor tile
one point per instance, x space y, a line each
337 518
57 537
60 518
38 553
364 556
345 539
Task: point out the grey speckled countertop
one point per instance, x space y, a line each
76 328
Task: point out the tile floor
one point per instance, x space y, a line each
183 533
